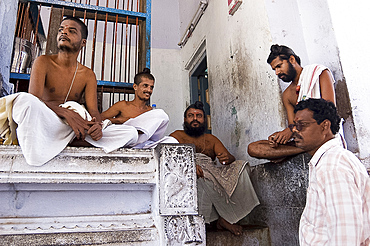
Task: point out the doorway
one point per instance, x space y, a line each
199 90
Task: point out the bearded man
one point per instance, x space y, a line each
312 81
225 192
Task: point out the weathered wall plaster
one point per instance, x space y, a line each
244 95
349 22
8 11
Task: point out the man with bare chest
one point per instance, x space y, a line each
225 206
50 116
150 123
312 81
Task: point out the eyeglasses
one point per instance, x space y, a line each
299 125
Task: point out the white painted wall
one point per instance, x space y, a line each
170 92
244 94
350 22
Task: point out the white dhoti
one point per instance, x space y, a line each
42 134
224 191
152 126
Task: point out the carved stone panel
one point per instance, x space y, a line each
177 179
184 230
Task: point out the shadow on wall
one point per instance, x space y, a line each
345 112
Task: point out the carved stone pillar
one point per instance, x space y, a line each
178 206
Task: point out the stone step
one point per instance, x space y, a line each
81 165
142 237
253 235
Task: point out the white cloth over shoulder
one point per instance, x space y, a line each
309 83
309 87
224 191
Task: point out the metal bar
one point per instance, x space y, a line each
129 46
83 51
148 32
90 8
125 80
129 55
104 43
61 18
26 20
120 59
19 13
25 76
24 27
37 26
94 40
136 46
115 48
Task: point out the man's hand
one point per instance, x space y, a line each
224 158
199 172
280 138
95 130
74 120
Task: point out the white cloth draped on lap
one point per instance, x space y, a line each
225 191
152 126
43 135
309 83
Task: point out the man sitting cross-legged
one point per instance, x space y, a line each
312 81
150 123
225 192
49 116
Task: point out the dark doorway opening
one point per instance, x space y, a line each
199 88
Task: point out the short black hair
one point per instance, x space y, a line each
196 105
283 52
322 110
84 31
144 74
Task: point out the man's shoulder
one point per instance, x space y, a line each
178 133
86 71
45 59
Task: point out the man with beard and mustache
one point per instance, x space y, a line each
312 81
337 210
225 192
50 117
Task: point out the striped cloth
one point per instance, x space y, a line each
309 83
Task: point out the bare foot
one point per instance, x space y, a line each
235 229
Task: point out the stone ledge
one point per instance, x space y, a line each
11 226
126 237
80 165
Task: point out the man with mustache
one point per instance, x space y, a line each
49 117
215 200
150 123
122 111
337 209
312 81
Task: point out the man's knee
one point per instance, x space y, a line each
26 100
